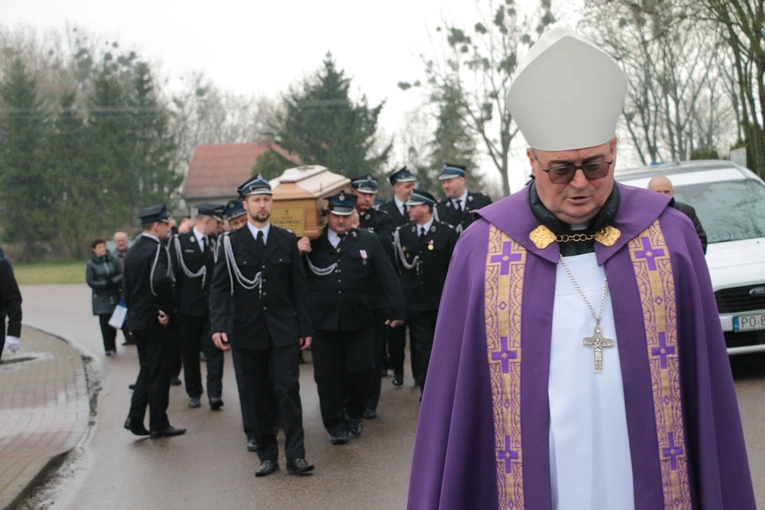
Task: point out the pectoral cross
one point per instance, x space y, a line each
598 342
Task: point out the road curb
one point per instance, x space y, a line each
47 407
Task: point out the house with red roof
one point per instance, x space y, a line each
216 170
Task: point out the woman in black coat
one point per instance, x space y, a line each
104 276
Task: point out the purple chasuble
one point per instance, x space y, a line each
483 431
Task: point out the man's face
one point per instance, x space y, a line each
237 222
162 230
258 207
454 187
339 224
365 201
121 241
208 225
403 190
578 201
661 185
419 213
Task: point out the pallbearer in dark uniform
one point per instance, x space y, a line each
236 217
347 269
403 182
192 255
456 209
149 295
424 247
381 224
259 279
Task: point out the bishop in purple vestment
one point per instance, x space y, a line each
485 434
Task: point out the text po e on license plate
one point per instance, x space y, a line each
749 322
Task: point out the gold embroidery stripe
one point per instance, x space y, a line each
653 272
505 264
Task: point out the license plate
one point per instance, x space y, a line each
749 322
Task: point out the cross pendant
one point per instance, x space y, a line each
598 342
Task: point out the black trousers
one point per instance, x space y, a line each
108 333
283 362
176 347
152 387
396 340
342 361
2 337
195 337
378 360
422 329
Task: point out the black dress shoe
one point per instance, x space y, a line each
168 431
194 402
131 386
138 430
267 467
128 343
175 381
202 356
339 438
252 445
216 403
356 427
370 414
398 377
298 466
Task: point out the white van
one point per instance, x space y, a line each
730 203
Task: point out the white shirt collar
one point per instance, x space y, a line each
199 236
254 230
463 198
399 204
150 236
426 226
334 239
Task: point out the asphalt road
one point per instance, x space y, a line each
209 467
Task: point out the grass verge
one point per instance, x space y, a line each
60 271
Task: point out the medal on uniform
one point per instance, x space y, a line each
430 245
363 256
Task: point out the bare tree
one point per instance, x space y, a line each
674 90
479 64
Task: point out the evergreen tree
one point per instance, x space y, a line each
79 207
452 141
24 186
156 178
323 126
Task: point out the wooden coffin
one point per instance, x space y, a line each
299 198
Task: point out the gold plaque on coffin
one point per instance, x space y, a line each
299 195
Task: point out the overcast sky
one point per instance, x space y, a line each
263 47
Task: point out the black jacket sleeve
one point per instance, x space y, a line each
11 297
299 291
389 281
90 278
220 293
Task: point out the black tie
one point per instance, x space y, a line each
422 231
204 244
458 205
259 244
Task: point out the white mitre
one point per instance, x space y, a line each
567 94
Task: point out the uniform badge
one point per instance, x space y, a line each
363 256
470 198
433 228
430 245
366 216
192 239
414 229
354 234
449 203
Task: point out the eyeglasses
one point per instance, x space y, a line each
565 173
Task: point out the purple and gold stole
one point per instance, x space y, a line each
504 279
